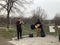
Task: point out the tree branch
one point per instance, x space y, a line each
4 6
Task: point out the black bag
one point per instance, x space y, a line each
42 32
30 35
32 26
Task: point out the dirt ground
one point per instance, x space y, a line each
4 41
48 40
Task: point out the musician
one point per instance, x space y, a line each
19 28
38 27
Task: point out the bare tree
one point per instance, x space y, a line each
39 13
11 5
57 19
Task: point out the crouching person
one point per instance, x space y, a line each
39 27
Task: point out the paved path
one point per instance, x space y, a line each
48 40
4 41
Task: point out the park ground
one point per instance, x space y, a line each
48 40
7 35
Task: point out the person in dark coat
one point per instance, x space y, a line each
38 27
40 31
19 28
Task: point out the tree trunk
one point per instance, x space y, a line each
8 22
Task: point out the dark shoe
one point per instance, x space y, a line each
20 37
16 39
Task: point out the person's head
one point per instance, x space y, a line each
38 20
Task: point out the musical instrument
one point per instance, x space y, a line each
21 22
37 26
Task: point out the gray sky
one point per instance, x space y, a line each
52 7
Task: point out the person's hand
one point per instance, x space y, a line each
36 26
22 22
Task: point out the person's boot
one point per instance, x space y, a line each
20 37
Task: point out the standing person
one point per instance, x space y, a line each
19 28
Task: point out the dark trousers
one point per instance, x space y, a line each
19 33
